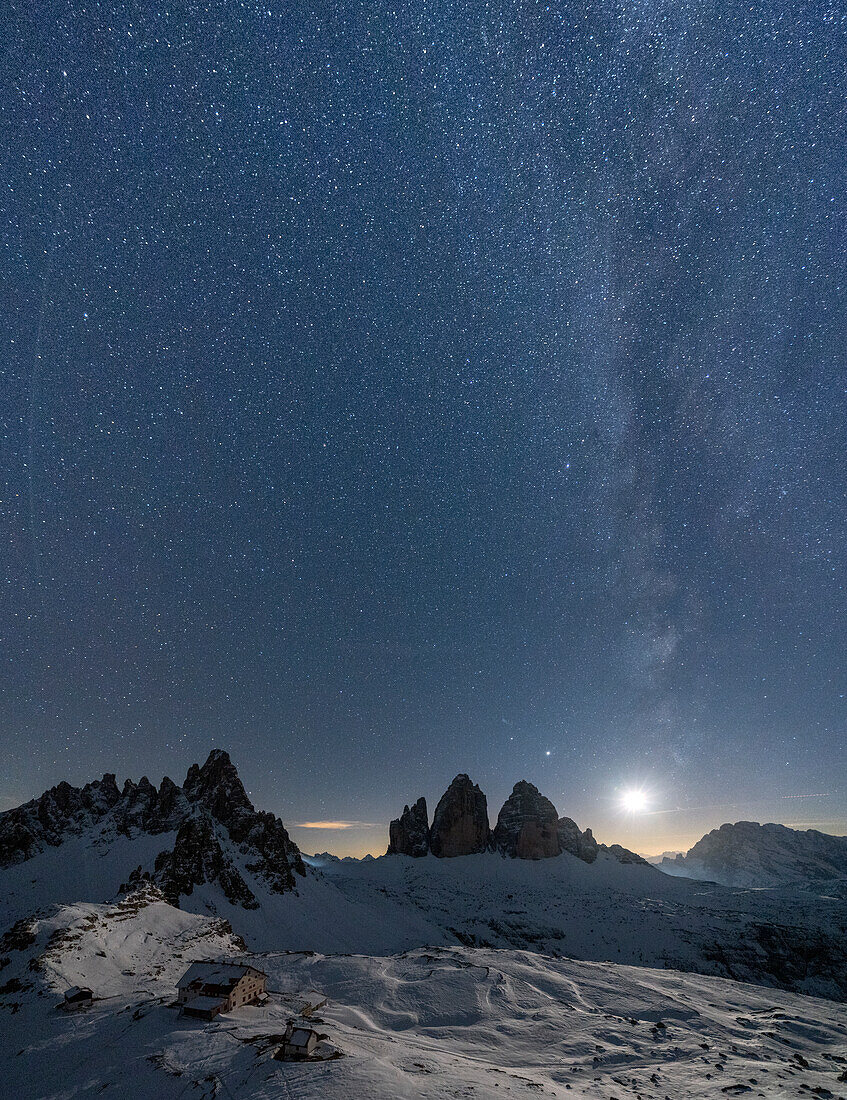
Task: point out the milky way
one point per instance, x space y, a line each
397 391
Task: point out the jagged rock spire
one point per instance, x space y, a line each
408 835
218 786
460 822
526 825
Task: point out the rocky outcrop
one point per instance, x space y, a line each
218 787
578 843
408 834
623 855
585 847
142 808
460 822
198 857
527 825
211 815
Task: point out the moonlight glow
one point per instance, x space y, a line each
634 801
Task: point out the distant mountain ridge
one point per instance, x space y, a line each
203 847
748 854
210 814
671 853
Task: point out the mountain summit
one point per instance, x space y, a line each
215 833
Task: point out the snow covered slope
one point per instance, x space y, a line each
628 913
753 855
605 911
211 852
431 1023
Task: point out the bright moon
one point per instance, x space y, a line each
634 801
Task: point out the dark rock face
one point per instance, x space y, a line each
579 844
142 808
210 814
408 834
171 803
527 825
460 822
585 847
58 813
198 857
218 787
280 857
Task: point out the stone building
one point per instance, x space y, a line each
209 988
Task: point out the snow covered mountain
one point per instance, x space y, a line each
179 837
447 976
753 855
206 848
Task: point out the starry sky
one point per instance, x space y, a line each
390 391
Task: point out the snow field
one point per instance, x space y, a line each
438 1022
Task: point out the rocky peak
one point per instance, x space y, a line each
100 795
279 857
408 835
460 822
623 855
198 857
138 806
218 786
579 844
63 800
527 824
212 816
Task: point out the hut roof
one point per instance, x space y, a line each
77 993
220 974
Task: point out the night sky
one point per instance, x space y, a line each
390 391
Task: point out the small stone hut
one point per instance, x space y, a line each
77 997
299 1043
